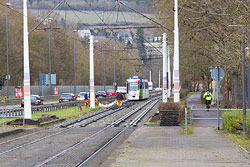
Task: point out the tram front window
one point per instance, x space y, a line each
133 86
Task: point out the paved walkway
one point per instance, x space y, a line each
167 147
194 102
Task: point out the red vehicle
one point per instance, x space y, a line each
110 92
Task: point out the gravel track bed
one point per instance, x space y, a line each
74 156
8 144
40 151
30 155
108 120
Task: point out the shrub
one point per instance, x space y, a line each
232 122
172 106
184 93
228 104
239 104
169 106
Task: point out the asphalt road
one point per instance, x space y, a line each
19 105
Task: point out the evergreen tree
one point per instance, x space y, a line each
140 44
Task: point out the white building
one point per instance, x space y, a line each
84 33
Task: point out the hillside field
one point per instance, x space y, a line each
90 17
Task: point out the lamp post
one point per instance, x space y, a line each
176 73
248 87
243 73
211 87
74 62
50 87
104 71
7 47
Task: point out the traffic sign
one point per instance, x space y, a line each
7 76
217 74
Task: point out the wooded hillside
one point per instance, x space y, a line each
206 40
61 54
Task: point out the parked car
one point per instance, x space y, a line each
80 96
67 97
100 94
111 92
121 89
158 89
35 100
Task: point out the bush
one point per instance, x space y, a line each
172 106
228 104
184 93
232 122
239 104
169 106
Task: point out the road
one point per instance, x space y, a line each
19 105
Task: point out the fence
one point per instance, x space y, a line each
46 108
216 115
44 90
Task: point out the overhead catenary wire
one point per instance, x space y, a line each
145 16
57 6
141 36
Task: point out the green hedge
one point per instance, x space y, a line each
232 122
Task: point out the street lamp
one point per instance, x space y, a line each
7 48
211 88
50 87
74 63
104 70
243 73
248 87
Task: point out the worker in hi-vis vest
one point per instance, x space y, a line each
208 97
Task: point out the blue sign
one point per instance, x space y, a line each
217 74
44 79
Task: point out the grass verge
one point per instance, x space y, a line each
189 130
69 113
240 140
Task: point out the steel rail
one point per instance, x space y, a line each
122 119
139 117
136 120
10 140
34 141
76 144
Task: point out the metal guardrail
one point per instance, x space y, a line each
45 108
218 118
42 108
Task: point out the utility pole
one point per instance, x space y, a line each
26 81
150 76
176 73
7 47
50 86
104 71
122 69
169 72
164 88
91 66
248 86
159 79
74 61
114 75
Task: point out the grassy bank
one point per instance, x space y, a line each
233 126
69 113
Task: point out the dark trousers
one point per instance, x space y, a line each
208 102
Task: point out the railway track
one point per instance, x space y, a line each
12 146
66 155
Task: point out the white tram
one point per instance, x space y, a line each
137 88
